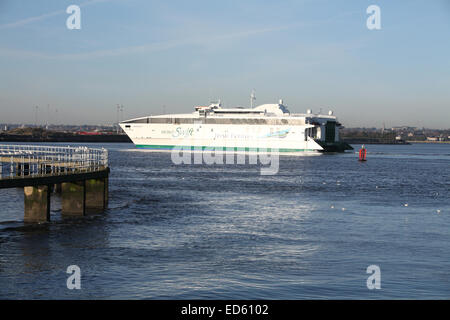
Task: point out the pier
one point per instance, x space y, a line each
80 174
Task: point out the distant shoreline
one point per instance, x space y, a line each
412 141
374 141
112 138
120 138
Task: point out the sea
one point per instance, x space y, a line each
325 226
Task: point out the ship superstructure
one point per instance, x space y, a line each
265 127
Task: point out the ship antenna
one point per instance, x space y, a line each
252 98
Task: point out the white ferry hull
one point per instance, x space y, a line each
290 139
268 127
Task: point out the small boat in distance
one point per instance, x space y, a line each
265 127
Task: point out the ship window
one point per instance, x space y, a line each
330 131
242 121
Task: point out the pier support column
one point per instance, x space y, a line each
57 188
73 198
95 195
37 204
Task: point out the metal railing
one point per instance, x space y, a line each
27 160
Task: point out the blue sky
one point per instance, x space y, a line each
178 54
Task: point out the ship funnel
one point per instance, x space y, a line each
309 111
280 102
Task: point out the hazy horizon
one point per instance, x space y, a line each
170 56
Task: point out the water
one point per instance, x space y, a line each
226 232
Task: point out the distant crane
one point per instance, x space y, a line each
119 115
117 118
48 116
36 108
252 98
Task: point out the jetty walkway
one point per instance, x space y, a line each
80 174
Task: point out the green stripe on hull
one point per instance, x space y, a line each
197 148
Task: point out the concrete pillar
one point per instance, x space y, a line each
37 204
95 195
73 198
57 188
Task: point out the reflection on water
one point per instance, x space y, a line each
199 231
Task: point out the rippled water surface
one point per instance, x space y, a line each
226 232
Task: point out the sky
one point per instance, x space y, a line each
169 56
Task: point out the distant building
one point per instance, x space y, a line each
432 139
403 128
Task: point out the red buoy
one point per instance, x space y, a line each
362 153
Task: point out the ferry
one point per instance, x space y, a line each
266 127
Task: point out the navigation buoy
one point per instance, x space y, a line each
362 153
